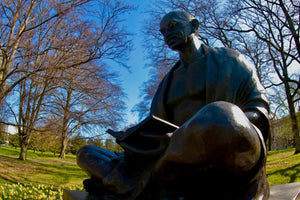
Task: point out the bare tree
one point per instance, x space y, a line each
39 57
63 51
276 23
28 40
17 18
32 92
88 94
86 98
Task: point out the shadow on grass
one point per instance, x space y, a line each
293 172
8 179
17 171
60 172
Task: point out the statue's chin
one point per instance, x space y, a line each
175 47
176 44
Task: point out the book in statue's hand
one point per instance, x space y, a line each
151 124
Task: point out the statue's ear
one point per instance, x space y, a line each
195 24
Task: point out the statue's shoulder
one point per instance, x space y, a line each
221 51
228 57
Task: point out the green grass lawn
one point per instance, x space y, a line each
48 171
283 166
55 171
49 156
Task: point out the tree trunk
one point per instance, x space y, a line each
294 121
63 147
24 145
270 141
295 129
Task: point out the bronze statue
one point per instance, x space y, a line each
218 150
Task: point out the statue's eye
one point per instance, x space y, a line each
172 25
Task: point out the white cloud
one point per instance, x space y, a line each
11 129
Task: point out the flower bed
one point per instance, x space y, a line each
34 192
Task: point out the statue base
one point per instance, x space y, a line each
289 191
75 195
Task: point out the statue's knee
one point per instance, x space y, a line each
83 153
226 136
217 117
85 149
222 113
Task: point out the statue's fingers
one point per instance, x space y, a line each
95 161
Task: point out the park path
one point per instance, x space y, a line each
45 161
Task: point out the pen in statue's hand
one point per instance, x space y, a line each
117 134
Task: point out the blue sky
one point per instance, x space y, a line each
132 81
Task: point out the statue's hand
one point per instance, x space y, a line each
96 161
258 120
253 116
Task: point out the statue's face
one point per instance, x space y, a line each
176 31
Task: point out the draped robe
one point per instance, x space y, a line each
223 75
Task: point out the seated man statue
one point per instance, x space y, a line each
218 150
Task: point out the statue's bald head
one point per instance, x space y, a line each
179 15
